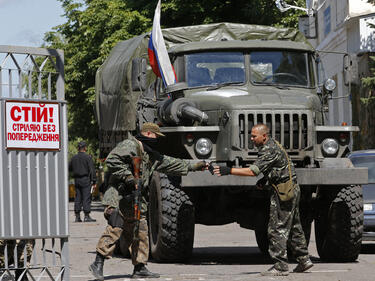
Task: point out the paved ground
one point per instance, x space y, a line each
220 253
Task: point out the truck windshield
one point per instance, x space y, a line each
280 67
211 68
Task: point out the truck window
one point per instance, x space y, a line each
210 68
280 67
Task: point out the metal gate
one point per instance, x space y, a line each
33 164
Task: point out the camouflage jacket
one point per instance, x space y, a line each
273 163
119 164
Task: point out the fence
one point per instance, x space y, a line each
33 164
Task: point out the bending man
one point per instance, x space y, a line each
119 164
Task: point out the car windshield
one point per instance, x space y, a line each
212 68
280 68
367 161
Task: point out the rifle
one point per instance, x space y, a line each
137 194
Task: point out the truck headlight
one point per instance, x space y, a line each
330 85
330 146
203 146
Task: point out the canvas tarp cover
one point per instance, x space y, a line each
116 102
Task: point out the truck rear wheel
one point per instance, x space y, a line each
171 220
339 226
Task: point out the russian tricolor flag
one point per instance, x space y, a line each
158 54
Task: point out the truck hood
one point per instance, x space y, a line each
256 97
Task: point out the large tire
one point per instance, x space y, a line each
339 225
171 220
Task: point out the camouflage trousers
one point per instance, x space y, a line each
284 228
18 248
138 248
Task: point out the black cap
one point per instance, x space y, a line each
81 144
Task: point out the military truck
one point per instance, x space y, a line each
231 77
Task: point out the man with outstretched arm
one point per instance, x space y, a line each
121 218
284 223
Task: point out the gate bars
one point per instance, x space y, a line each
33 182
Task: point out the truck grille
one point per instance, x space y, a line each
290 129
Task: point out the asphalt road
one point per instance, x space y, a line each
220 253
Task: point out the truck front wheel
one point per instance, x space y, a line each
339 224
171 220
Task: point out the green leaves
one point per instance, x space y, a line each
92 29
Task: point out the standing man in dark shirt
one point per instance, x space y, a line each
82 167
284 225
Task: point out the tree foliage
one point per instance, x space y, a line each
182 13
369 82
93 28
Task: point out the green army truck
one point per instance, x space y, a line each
231 77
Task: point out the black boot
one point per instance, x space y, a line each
141 271
18 275
78 217
96 268
88 218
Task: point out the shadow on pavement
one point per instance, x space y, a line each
228 255
114 277
368 249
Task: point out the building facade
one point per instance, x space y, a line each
339 27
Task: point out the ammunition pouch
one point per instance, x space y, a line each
285 190
113 217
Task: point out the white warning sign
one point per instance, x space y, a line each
32 125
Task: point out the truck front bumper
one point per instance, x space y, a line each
305 176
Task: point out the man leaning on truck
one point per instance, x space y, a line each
121 218
284 223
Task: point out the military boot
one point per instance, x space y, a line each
303 266
96 268
78 218
88 218
141 271
273 271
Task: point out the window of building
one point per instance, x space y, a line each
327 20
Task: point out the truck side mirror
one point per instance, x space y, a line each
139 66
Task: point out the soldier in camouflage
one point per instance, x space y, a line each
284 223
118 198
21 246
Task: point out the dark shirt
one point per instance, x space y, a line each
82 165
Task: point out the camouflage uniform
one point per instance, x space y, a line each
21 245
119 163
284 223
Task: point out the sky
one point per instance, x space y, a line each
24 22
